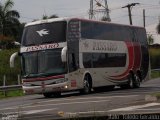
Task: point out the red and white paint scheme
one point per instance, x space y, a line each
65 54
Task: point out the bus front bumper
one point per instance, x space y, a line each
61 87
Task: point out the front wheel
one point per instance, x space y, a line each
57 94
86 86
47 95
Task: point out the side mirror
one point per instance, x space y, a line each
12 59
64 54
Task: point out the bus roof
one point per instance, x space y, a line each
45 21
67 19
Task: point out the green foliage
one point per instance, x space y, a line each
155 74
49 17
11 73
13 93
150 39
6 42
105 19
9 19
155 57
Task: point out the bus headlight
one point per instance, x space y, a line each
66 86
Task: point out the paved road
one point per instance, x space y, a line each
108 102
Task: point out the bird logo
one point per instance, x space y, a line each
43 32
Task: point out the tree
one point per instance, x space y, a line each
150 39
105 19
6 42
158 28
48 17
9 22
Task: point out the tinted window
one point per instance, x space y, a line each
44 33
103 31
100 60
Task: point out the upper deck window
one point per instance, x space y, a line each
54 32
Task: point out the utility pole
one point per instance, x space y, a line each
144 18
91 14
130 6
99 8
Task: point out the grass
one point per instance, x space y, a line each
157 94
155 74
9 94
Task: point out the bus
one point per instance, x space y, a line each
66 54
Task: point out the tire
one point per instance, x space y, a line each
137 82
86 86
128 84
133 82
47 95
110 87
57 94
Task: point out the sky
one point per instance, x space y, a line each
35 9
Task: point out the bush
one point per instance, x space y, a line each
155 58
6 42
10 73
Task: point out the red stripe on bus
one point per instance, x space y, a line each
43 79
131 62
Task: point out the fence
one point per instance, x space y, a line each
6 88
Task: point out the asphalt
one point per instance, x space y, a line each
103 104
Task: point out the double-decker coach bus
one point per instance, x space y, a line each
65 54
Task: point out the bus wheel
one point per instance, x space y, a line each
137 82
57 94
131 80
86 86
134 81
47 95
130 83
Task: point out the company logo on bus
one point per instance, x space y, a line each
105 46
43 32
42 47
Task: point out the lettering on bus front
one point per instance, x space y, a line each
42 47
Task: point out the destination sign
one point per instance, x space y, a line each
42 47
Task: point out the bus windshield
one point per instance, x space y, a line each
43 63
54 32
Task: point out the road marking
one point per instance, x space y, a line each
70 103
149 109
30 111
36 111
67 99
71 99
131 108
86 98
74 114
